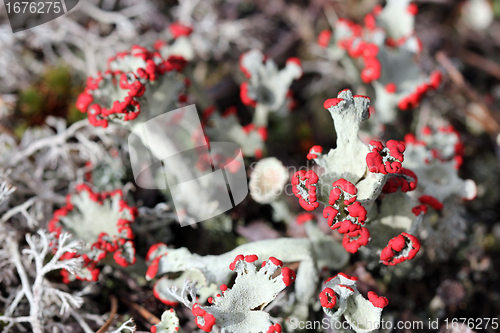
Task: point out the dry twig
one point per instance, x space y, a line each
114 308
487 65
151 318
482 114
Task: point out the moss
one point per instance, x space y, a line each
53 94
31 101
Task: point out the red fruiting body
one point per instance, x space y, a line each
305 217
411 139
377 301
417 210
133 82
405 180
330 214
370 21
449 130
304 188
431 201
176 63
158 44
324 38
251 258
276 262
332 102
230 111
391 88
356 210
231 165
95 119
370 51
258 153
426 130
153 329
346 287
314 151
352 241
93 83
245 99
396 149
178 29
288 275
356 29
413 99
412 9
153 249
83 101
327 298
401 248
294 60
138 50
197 311
346 226
341 186
377 9
209 320
393 158
122 260
276 328
263 133
404 104
372 70
104 242
344 213
239 257
248 128
435 79
153 268
356 48
345 43
353 278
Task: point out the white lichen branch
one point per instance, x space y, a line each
41 295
